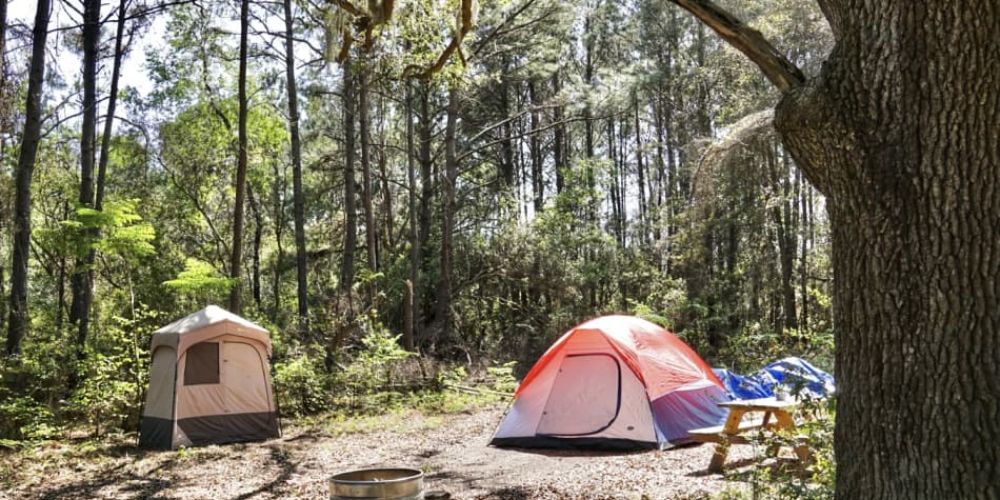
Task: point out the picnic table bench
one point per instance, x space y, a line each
731 432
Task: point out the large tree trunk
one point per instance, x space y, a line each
236 260
79 312
444 292
83 297
785 228
17 324
298 197
350 211
389 241
905 147
899 132
371 231
411 311
424 133
109 119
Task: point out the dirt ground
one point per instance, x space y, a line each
451 449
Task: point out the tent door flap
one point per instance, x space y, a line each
585 398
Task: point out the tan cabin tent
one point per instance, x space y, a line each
209 383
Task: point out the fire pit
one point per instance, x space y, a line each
378 483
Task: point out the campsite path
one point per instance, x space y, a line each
451 449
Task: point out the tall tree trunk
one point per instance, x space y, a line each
61 279
537 178
612 188
640 172
622 178
907 154
444 292
371 231
298 197
278 191
6 107
236 261
899 135
507 167
350 211
588 117
109 119
79 313
661 167
786 245
258 239
390 236
411 309
558 149
424 132
807 223
83 297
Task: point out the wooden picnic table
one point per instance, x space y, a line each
725 435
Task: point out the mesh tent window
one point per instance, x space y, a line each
202 365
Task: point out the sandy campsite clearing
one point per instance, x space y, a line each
451 449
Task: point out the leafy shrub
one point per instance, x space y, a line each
113 375
378 355
299 385
816 479
23 418
502 377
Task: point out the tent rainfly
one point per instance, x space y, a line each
615 382
209 383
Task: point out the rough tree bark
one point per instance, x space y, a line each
298 200
425 129
371 231
236 260
79 311
389 241
444 292
17 323
83 297
350 211
410 305
898 130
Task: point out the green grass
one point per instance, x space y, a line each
422 410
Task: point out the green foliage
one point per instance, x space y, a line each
375 362
502 377
24 418
199 279
300 386
814 480
106 398
114 374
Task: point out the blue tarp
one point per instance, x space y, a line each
797 374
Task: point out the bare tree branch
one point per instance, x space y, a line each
465 26
775 66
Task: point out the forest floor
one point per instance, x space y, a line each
451 449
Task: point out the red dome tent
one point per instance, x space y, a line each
613 382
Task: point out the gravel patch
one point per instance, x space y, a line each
452 450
